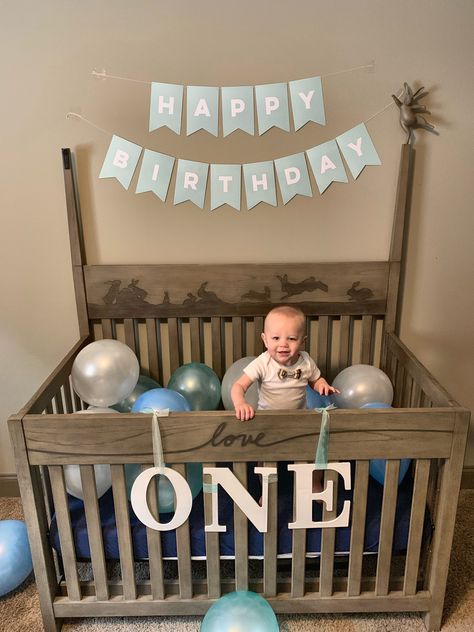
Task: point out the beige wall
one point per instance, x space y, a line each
47 53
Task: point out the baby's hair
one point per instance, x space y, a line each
288 311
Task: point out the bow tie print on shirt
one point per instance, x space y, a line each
283 374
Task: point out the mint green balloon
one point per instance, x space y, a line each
240 611
198 384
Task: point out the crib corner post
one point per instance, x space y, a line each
445 521
36 522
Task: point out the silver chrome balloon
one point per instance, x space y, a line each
362 384
105 372
231 375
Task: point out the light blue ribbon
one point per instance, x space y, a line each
209 488
321 456
158 458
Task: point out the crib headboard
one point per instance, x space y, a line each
170 314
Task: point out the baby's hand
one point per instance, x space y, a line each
324 388
244 412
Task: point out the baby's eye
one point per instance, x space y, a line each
275 337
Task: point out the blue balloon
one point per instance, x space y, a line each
165 489
241 611
144 384
377 469
15 555
315 400
159 399
198 384
377 466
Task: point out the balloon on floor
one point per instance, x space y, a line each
15 555
198 384
240 611
144 384
231 375
105 372
361 384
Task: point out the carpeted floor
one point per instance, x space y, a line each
19 611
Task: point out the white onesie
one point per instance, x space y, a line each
282 386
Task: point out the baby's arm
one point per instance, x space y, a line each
243 410
322 387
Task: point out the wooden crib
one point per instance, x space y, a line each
172 314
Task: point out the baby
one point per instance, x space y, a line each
282 371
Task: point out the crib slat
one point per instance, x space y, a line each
298 559
58 400
238 347
345 342
420 489
270 540
359 510
241 535
328 541
107 330
129 330
122 520
65 532
153 538
174 346
196 339
152 346
323 345
387 521
212 549
183 546
366 351
258 329
67 398
94 532
217 346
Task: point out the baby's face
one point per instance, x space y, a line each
283 337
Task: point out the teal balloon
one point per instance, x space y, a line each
240 611
198 384
165 489
15 555
144 384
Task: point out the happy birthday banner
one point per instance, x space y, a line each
192 177
237 106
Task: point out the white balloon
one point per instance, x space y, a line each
72 477
105 372
98 409
362 384
231 375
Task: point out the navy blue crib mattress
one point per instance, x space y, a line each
255 538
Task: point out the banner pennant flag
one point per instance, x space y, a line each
237 109
191 180
293 177
166 106
272 106
326 164
225 185
307 101
155 173
121 160
259 180
202 109
357 148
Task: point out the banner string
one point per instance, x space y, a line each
102 74
75 115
